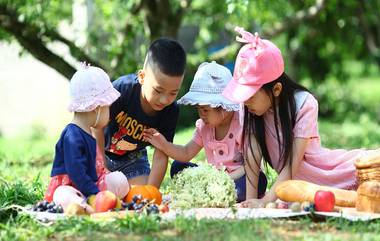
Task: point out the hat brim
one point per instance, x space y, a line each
105 99
213 100
239 93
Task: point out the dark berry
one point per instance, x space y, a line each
154 209
50 205
306 209
128 206
135 206
136 198
45 203
59 209
39 204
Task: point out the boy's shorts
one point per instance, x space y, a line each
134 164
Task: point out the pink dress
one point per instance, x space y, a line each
225 152
319 165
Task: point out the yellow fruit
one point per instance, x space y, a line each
74 209
118 203
91 201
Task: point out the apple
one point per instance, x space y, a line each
104 201
324 201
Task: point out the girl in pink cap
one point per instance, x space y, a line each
78 170
281 123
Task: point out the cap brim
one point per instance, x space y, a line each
239 93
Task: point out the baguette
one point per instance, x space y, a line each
300 191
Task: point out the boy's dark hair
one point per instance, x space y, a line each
168 56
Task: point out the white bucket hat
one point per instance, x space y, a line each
91 87
207 87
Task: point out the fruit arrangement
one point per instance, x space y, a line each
45 206
148 192
324 201
294 206
141 204
145 201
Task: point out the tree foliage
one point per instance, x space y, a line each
317 37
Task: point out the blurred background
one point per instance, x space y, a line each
332 47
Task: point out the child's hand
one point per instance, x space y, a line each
155 138
252 203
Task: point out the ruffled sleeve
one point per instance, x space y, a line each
307 119
197 136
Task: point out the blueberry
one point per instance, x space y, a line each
136 198
59 209
135 206
51 210
39 210
45 203
39 204
154 209
312 207
128 206
306 209
50 205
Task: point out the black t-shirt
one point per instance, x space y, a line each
128 120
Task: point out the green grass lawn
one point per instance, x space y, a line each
25 166
25 174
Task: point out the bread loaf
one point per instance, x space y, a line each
369 197
300 191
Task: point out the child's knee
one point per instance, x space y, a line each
117 183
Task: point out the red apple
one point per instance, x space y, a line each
324 201
104 201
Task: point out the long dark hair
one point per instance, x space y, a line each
284 116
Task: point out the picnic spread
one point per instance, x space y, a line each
295 199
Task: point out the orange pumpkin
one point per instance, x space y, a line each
146 191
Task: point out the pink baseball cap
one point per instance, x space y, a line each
91 87
258 62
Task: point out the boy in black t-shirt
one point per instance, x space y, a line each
147 100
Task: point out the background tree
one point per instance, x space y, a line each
317 37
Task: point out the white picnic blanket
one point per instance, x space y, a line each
239 213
